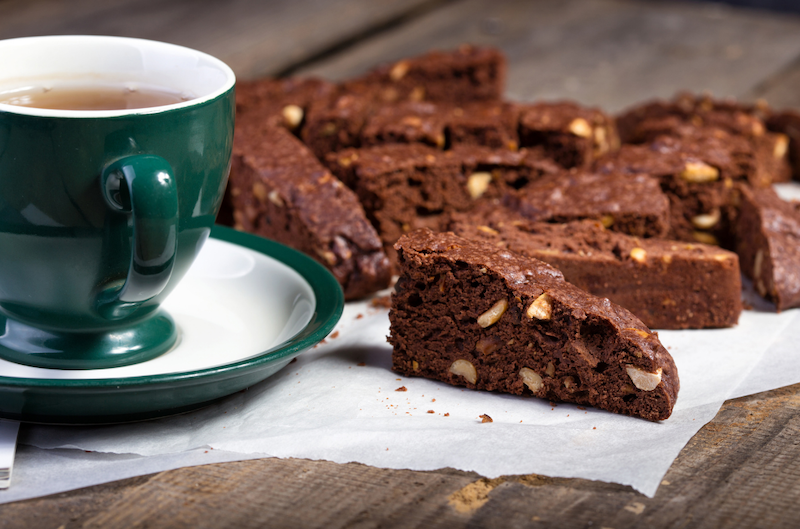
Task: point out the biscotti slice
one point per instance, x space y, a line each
573 135
471 314
687 113
487 123
280 101
787 122
469 73
667 284
629 203
697 172
334 123
405 186
406 122
281 191
768 244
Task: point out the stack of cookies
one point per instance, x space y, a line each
420 169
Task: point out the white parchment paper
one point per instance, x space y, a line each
339 402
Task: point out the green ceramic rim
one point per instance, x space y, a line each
328 310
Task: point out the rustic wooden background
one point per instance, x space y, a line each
740 470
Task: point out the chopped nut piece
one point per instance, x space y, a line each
607 221
487 345
417 94
411 121
259 191
328 256
639 255
699 172
550 370
757 262
705 238
541 308
329 129
415 365
642 379
569 382
532 379
600 144
487 229
345 161
491 316
781 145
398 71
627 389
465 369
401 388
706 221
640 332
478 183
293 116
580 127
275 198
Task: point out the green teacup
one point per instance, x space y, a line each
102 211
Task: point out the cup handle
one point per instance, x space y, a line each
142 186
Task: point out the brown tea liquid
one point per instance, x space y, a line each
97 97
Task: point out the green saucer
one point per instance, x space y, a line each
34 394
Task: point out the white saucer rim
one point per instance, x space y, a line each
328 311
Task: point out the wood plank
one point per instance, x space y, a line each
611 53
255 38
780 89
740 470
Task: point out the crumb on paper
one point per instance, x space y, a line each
432 400
398 379
359 316
447 415
401 388
581 408
431 411
334 335
486 418
382 302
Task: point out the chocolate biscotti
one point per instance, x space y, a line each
406 186
573 135
687 113
280 191
281 102
469 313
468 73
788 122
667 284
697 172
629 203
768 244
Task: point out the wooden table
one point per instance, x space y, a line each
740 470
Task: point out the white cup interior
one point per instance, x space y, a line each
31 62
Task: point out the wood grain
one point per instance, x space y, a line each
254 37
741 470
611 53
